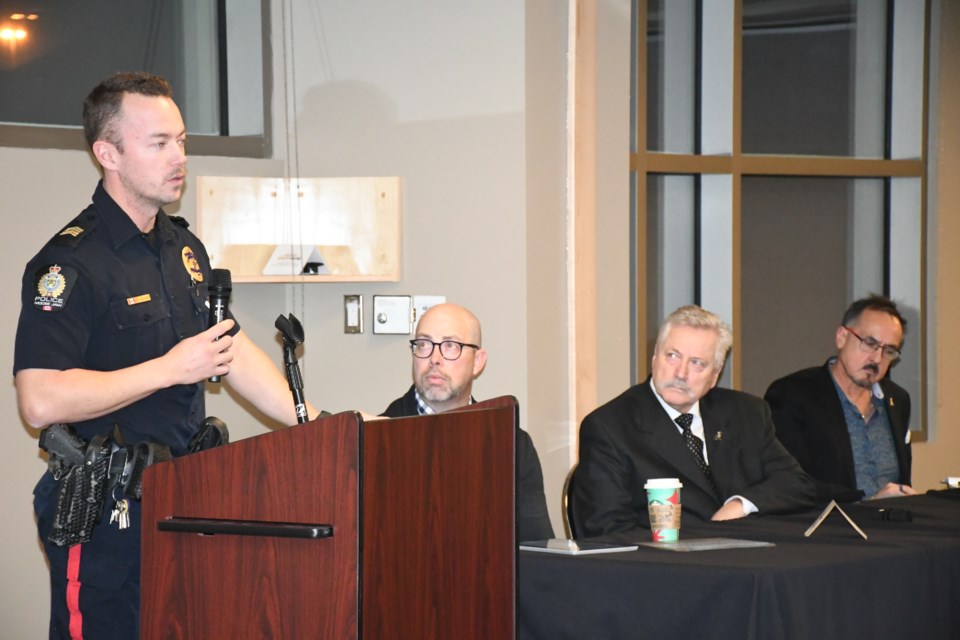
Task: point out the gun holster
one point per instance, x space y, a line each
127 470
80 494
213 433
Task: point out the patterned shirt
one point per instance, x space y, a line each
874 453
426 410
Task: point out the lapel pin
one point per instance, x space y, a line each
891 402
718 436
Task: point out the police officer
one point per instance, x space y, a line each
113 332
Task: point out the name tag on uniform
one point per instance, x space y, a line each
138 299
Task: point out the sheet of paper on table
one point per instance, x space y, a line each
573 547
706 544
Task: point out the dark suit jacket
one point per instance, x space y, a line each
533 521
631 439
811 425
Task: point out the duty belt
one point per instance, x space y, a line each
86 471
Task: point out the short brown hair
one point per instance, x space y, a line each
102 106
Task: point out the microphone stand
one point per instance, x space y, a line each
292 332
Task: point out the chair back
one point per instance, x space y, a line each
569 525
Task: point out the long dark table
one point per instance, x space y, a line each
903 582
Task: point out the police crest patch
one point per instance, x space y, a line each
54 284
191 265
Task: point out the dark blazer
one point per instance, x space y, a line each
533 521
811 425
631 439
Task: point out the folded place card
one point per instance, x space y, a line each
823 514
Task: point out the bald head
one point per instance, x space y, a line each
452 317
447 384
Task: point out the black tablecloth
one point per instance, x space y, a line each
903 582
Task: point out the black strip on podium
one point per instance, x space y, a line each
208 526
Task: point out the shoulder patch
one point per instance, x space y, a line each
75 231
54 283
179 221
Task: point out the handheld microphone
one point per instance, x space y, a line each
220 287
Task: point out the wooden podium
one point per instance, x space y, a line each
338 528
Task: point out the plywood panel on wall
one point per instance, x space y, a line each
353 224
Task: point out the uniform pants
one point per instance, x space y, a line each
94 586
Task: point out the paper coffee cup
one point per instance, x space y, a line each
663 505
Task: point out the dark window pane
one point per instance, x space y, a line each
810 247
71 46
814 77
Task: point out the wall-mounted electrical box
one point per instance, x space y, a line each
392 314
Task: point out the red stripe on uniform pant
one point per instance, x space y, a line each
73 593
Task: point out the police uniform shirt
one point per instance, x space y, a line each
102 295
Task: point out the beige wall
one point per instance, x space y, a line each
545 330
466 101
940 457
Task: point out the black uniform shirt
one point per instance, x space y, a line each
102 295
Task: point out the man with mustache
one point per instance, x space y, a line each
846 422
677 424
113 339
447 357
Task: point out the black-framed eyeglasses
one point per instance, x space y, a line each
449 349
869 345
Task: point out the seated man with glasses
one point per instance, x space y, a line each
846 422
447 357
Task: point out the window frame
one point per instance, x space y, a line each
737 164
